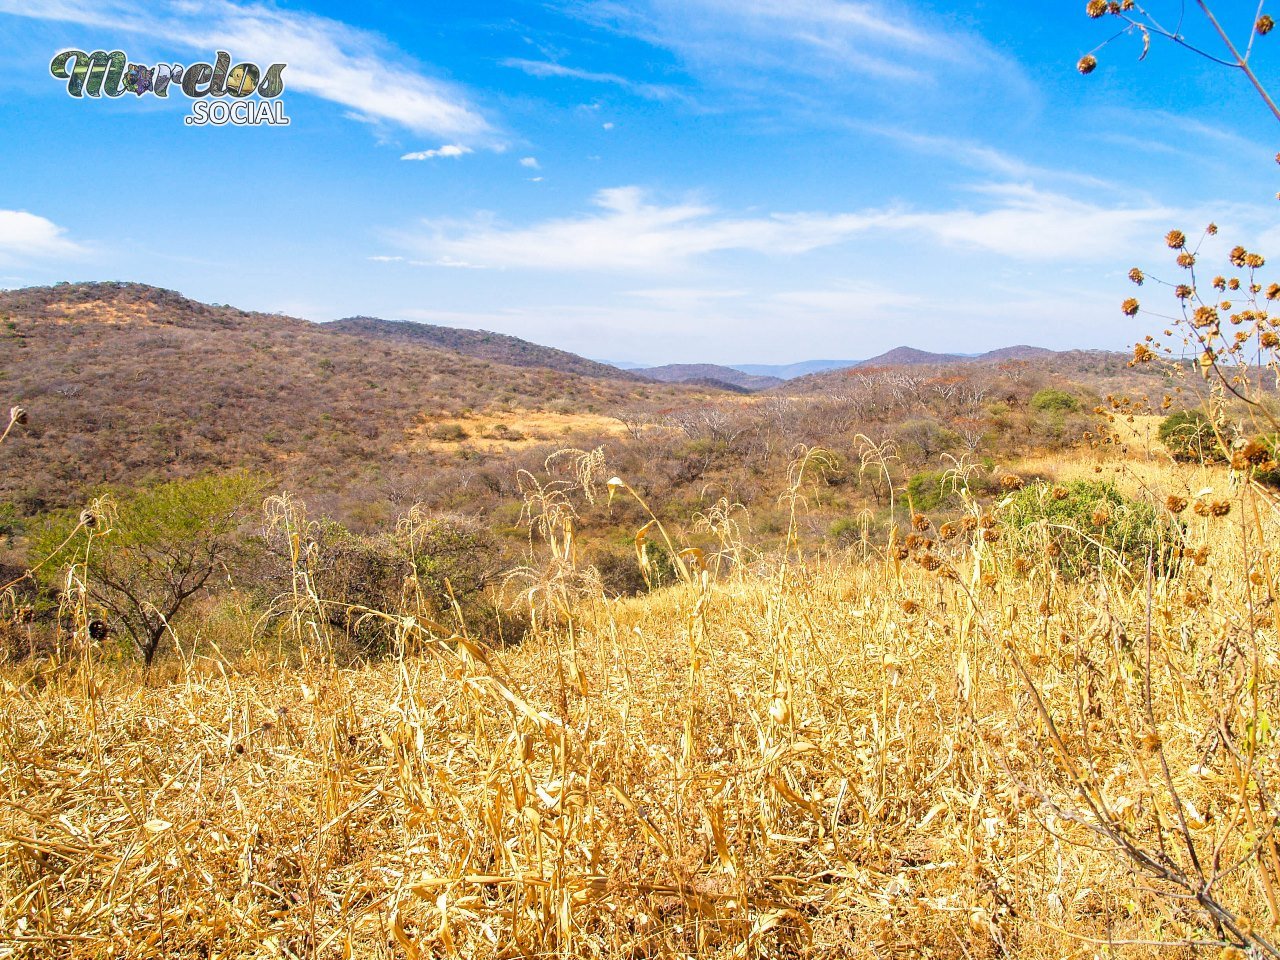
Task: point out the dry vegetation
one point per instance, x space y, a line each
869 755
701 691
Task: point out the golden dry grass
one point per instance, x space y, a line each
841 758
511 430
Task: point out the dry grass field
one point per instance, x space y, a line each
952 750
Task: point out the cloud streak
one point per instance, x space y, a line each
627 232
448 150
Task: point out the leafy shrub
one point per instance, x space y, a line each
450 558
930 489
1053 400
449 432
1188 435
1086 523
156 549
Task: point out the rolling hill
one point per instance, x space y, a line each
125 382
482 344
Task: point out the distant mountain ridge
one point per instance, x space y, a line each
763 376
709 374
482 344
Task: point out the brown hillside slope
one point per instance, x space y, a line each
126 382
482 344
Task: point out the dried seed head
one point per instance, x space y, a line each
1176 239
909 606
97 630
1060 493
1220 508
1088 63
919 521
1011 481
1236 256
1095 8
1186 260
948 530
1264 25
1129 307
1175 504
18 415
1137 276
88 519
1273 292
1101 515
991 535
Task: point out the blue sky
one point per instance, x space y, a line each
653 181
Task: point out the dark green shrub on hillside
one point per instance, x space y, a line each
1087 523
1053 400
1188 435
929 490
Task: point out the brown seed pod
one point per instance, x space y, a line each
919 521
1175 504
1088 63
97 630
1061 493
1011 481
948 530
1265 24
1176 239
88 519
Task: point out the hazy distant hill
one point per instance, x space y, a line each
910 356
708 373
498 347
789 371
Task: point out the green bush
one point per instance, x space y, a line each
1188 435
930 489
151 552
1087 523
1053 400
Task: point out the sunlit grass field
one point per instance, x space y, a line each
950 748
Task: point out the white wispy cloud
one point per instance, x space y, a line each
813 37
1024 223
26 236
547 68
629 232
448 150
530 162
326 58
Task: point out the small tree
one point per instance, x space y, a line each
1189 435
159 549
